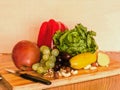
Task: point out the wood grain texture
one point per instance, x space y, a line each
108 83
86 80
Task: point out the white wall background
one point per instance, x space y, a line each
21 19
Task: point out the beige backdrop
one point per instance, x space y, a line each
21 19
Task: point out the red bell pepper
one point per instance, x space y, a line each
42 33
47 30
63 26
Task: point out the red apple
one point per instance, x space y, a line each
25 54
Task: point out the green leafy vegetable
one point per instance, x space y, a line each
75 41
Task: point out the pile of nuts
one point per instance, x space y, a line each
63 72
68 71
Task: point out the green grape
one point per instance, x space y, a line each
52 58
55 52
42 62
41 70
43 47
46 51
45 69
35 66
50 64
45 57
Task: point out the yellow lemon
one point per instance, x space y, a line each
81 60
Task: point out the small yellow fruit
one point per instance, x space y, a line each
81 60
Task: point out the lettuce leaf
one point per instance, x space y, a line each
75 41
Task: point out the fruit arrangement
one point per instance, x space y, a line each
59 51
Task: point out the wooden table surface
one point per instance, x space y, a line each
108 83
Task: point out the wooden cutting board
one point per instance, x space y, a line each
16 83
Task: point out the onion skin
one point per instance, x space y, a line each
25 54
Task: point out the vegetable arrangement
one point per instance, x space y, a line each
63 51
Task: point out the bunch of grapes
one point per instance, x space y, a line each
47 61
62 60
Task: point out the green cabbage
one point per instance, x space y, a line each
75 41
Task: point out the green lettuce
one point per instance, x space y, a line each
75 41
